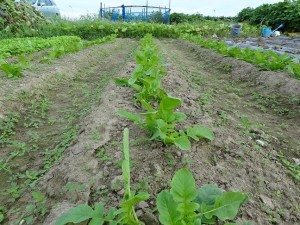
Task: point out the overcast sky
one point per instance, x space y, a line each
74 8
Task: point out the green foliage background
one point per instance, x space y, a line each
19 17
286 12
177 18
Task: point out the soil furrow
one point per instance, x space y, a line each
243 155
70 96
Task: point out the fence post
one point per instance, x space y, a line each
123 12
101 12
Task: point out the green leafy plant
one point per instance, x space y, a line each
3 210
7 127
14 192
75 188
267 60
293 168
125 215
37 209
183 204
245 122
19 17
1 217
12 70
285 12
130 199
160 122
58 46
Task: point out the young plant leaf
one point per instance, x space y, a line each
207 194
226 206
131 117
183 191
179 116
198 131
167 208
76 215
127 212
183 143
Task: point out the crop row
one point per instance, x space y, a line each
267 60
182 204
160 121
56 47
17 46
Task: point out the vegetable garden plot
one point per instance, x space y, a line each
56 47
240 115
48 123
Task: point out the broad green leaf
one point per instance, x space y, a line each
183 143
207 194
97 221
179 116
183 186
168 214
198 131
131 117
99 209
188 208
76 215
183 189
226 206
169 103
198 222
162 127
1 217
212 220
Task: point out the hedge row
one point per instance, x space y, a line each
286 12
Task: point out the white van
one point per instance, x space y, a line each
47 7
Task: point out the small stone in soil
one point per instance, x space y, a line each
297 161
105 171
108 163
142 205
268 202
148 218
139 213
262 143
121 192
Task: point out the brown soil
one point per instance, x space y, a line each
72 89
216 92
